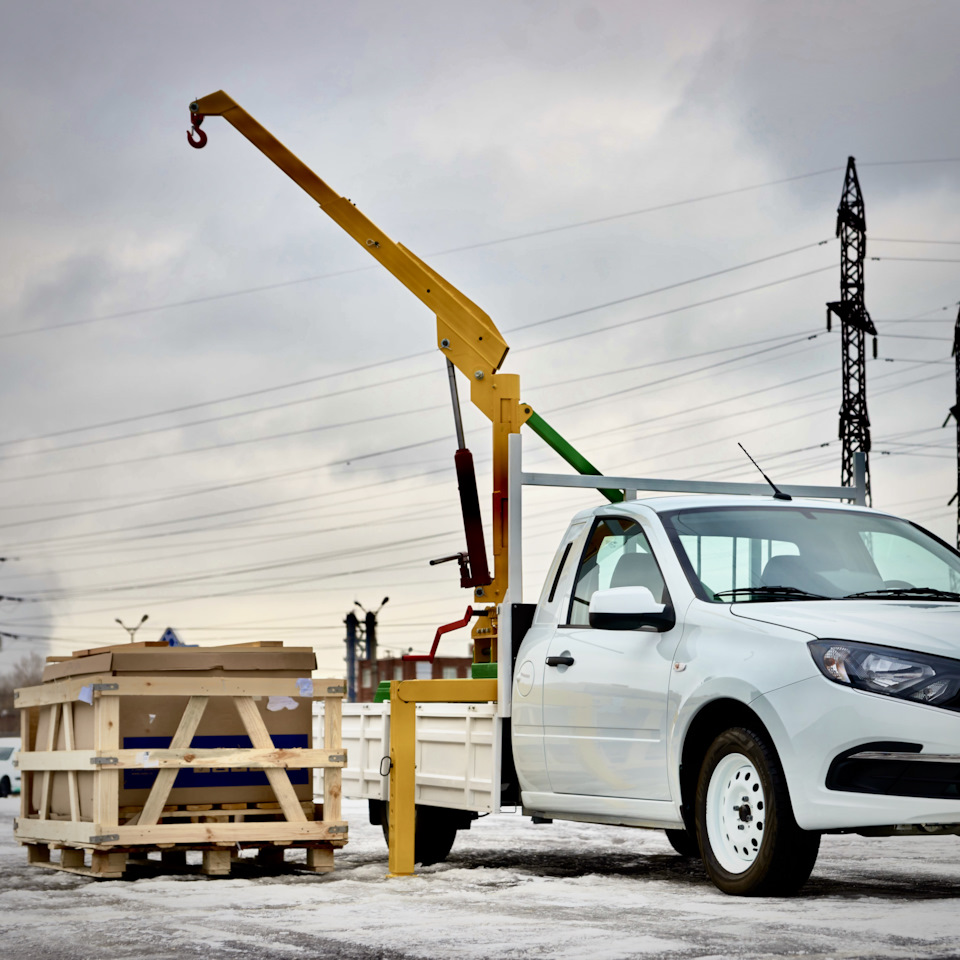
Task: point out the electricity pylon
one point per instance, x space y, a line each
855 323
955 413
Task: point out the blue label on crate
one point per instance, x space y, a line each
213 776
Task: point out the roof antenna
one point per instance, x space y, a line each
778 494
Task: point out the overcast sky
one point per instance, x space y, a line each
131 268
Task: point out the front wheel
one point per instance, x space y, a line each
751 843
5 787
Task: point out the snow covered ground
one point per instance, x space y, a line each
509 890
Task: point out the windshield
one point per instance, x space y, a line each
779 553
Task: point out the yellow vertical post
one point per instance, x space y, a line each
402 809
404 697
498 396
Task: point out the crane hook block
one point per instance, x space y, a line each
201 141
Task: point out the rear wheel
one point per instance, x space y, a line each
5 787
751 843
436 830
683 842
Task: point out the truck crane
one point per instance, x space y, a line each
746 668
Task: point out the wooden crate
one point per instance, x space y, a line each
111 833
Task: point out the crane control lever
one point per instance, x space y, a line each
446 628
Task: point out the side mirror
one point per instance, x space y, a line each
629 608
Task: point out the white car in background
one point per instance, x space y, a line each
9 774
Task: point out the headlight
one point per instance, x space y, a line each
898 673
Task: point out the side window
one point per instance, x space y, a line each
552 606
616 555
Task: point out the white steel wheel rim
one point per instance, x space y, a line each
736 813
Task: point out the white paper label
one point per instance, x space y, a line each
305 686
143 758
86 693
282 703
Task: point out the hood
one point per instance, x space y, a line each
921 625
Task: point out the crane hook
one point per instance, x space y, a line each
196 119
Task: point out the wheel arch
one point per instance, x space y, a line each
710 721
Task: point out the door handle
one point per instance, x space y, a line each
559 661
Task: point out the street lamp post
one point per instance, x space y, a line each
132 630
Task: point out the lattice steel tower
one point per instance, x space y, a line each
855 323
955 413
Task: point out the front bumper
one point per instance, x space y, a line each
823 733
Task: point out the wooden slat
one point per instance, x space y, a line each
70 744
332 778
80 871
54 831
260 738
192 714
61 691
26 782
106 781
56 691
293 758
46 779
278 831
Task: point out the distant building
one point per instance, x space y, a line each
394 668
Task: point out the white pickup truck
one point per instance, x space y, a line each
745 673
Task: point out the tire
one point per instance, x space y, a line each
751 844
436 830
5 787
683 842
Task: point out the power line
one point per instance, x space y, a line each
290 403
471 246
953 243
918 259
353 491
671 286
914 336
276 565
905 163
365 367
223 444
667 313
244 396
272 520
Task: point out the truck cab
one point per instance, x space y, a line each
746 672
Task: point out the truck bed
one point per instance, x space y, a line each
457 754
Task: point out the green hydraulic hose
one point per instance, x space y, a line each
569 453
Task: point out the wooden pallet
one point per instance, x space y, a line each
218 860
114 833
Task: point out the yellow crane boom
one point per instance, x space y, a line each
465 334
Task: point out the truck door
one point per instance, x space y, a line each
605 700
